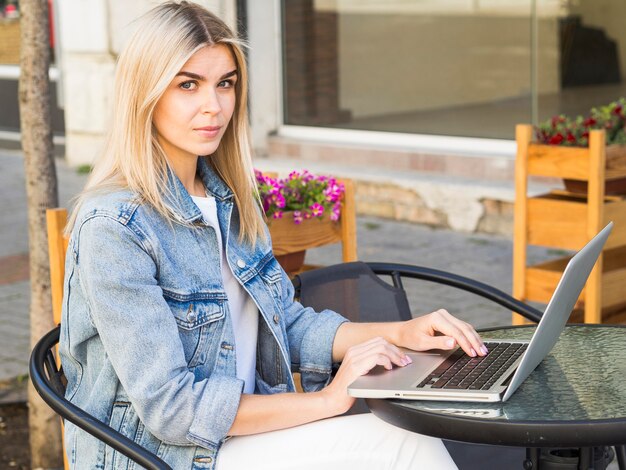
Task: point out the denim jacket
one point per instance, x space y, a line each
147 344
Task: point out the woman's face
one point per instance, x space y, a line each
193 113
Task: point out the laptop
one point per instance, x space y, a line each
455 376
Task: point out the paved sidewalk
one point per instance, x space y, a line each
483 257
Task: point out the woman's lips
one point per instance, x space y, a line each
208 131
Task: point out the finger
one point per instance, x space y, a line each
446 324
476 340
373 345
439 342
390 350
469 332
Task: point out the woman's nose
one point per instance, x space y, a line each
211 103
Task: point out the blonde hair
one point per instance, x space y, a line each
165 38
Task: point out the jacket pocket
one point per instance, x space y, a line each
200 322
272 276
121 420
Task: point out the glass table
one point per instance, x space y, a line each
575 398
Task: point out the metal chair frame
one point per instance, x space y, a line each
48 380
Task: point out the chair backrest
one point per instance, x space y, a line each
353 290
57 246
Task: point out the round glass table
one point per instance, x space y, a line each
575 398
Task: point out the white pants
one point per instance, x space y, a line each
361 442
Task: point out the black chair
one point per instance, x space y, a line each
50 383
357 291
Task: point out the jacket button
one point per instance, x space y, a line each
241 263
276 319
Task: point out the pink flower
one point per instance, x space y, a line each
317 209
306 194
297 217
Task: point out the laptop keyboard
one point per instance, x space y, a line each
462 372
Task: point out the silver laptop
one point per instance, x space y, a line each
455 376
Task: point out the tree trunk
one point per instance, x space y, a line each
42 193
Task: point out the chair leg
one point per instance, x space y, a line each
620 451
532 459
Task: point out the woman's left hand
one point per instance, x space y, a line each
440 330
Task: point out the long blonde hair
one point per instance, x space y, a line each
165 38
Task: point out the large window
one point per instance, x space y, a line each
448 67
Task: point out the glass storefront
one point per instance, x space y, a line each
471 68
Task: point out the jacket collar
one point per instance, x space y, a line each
178 197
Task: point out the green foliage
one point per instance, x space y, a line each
574 132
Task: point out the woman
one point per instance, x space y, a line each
179 327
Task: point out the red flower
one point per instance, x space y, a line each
556 139
590 122
570 138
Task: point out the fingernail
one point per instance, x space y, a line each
450 343
472 352
408 359
484 349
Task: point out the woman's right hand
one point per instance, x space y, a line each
358 361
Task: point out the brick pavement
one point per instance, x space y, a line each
483 257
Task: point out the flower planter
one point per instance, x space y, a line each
615 160
567 221
289 237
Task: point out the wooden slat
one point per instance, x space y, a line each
614 277
523 136
559 162
557 222
542 279
616 212
348 223
57 246
595 217
289 238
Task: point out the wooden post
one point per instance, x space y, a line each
523 137
348 223
57 246
595 219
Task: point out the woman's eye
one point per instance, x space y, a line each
226 84
191 85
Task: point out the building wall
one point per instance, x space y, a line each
91 36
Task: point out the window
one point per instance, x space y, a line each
471 68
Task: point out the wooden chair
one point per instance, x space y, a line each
56 220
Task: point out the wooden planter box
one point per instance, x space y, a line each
565 220
287 237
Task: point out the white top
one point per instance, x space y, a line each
243 311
